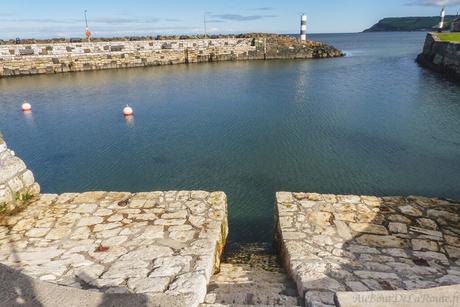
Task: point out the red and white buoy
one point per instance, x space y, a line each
128 111
26 107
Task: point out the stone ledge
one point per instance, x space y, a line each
436 297
165 244
336 243
17 289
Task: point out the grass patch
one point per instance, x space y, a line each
449 37
2 208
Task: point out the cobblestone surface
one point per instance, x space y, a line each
153 243
332 243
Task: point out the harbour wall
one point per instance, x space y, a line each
441 56
49 58
17 183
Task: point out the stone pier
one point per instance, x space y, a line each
161 244
336 244
60 57
441 56
161 247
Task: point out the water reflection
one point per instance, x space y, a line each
29 118
129 119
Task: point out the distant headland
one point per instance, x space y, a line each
405 24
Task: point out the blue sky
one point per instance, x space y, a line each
64 18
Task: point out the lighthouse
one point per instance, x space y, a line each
303 28
441 24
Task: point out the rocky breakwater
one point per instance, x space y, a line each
338 243
441 56
62 56
273 46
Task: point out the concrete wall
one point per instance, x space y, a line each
17 183
440 56
65 57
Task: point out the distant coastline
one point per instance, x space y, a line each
410 24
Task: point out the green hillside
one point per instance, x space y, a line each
410 24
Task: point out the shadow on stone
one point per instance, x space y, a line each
336 243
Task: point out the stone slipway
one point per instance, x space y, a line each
162 246
336 243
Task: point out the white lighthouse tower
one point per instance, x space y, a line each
303 28
443 14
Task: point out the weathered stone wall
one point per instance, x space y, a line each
336 243
17 183
441 56
66 57
43 58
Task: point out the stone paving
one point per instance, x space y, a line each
150 243
333 243
250 274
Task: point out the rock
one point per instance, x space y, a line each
87 221
397 227
425 231
284 197
368 228
432 255
356 286
452 240
89 273
427 223
37 232
85 208
190 283
343 230
399 218
449 216
381 241
148 285
126 269
147 254
376 275
58 233
453 252
320 218
410 210
319 298
102 227
424 245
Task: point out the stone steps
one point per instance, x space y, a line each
244 285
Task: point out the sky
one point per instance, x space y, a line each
65 18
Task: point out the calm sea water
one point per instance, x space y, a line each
370 123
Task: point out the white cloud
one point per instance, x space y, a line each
435 2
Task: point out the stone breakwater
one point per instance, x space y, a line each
338 243
49 58
441 56
17 183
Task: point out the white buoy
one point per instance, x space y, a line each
26 107
128 111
